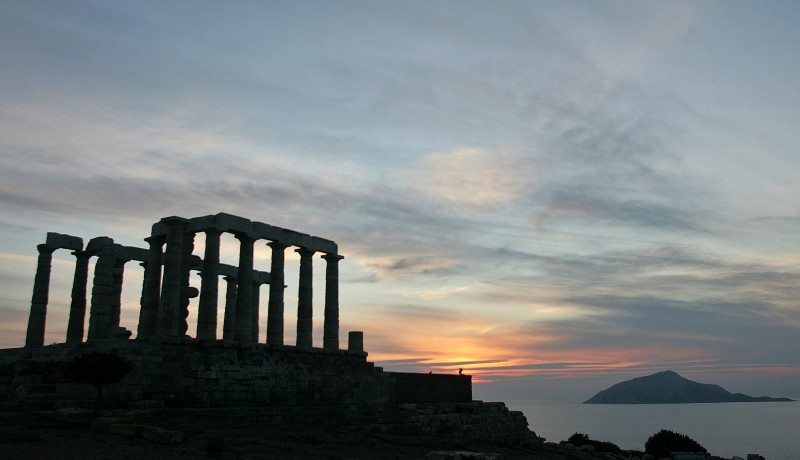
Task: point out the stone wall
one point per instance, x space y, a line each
198 374
411 388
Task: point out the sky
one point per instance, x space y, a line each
554 196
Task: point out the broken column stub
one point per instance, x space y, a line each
355 341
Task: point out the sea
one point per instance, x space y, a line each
724 429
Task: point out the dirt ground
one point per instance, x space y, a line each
32 436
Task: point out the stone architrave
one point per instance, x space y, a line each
209 289
330 338
173 285
305 309
276 287
229 323
101 312
244 290
39 299
151 287
77 309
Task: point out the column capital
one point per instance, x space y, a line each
45 248
245 237
277 245
305 252
213 231
82 255
332 257
156 239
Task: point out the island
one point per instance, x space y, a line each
668 387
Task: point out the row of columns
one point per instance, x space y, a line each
165 297
159 317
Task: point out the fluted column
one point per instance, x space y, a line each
209 289
330 337
244 290
276 287
101 312
77 308
305 309
116 293
172 294
41 294
151 287
229 323
255 310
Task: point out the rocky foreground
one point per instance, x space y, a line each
65 436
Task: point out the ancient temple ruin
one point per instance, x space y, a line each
233 375
166 292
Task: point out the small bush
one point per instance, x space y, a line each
98 369
663 443
580 439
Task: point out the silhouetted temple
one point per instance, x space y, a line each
233 375
166 291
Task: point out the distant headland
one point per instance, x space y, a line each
670 388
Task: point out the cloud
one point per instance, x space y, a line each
472 177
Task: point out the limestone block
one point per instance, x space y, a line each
201 224
233 224
59 240
73 415
161 436
324 245
98 243
103 423
126 429
158 229
134 253
269 232
298 239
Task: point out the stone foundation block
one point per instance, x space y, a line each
161 436
126 429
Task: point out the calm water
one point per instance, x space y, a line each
770 429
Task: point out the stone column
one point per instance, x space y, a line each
77 309
209 289
187 292
275 308
116 293
100 314
330 337
255 310
151 287
229 324
173 285
305 308
244 290
41 294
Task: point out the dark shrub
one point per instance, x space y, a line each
580 439
663 443
98 369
